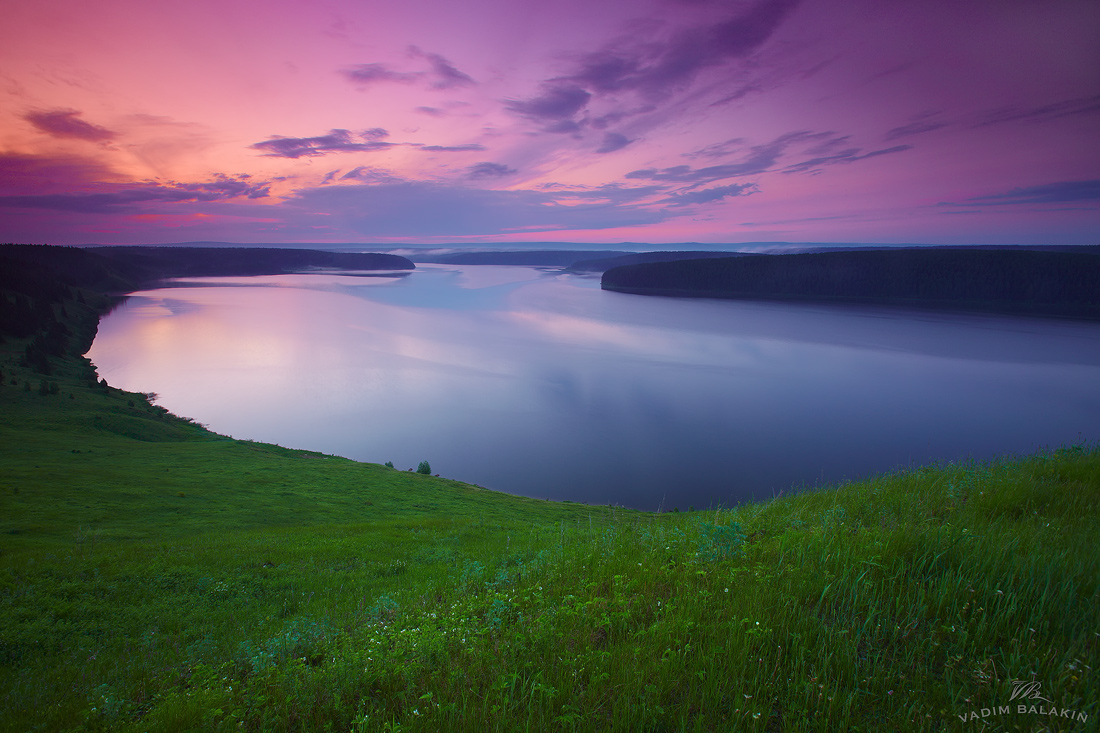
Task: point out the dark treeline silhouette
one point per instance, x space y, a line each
529 258
164 262
606 263
42 270
54 295
1061 283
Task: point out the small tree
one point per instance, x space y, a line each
389 464
424 468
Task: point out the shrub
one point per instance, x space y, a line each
424 468
719 542
389 464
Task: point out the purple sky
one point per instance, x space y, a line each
651 121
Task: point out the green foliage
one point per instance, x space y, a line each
885 605
388 464
424 468
303 639
720 542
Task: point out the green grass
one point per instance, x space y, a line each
156 576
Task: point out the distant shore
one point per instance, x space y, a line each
1022 282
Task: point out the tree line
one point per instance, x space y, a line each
1015 281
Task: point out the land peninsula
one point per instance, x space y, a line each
1053 282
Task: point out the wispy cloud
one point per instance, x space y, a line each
469 147
488 170
558 102
613 141
764 158
758 159
915 128
850 155
657 67
1042 113
710 195
366 74
131 197
67 123
21 173
718 150
370 175
421 208
441 74
1061 192
336 141
651 68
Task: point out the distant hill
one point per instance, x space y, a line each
164 262
1056 283
606 263
39 270
38 282
529 258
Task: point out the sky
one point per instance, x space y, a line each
490 121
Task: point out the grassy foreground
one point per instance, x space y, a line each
156 576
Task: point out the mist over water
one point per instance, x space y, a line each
538 383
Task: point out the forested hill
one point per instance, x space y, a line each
1010 281
606 263
162 262
521 258
56 294
53 297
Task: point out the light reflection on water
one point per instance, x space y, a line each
538 383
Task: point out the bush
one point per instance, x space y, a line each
389 464
720 542
424 468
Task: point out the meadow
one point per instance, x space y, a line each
156 576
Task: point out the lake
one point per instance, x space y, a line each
536 382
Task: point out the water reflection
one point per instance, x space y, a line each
539 383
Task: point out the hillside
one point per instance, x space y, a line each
156 576
164 262
527 258
606 263
1009 281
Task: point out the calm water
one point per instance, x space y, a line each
539 383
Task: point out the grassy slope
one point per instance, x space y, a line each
286 590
